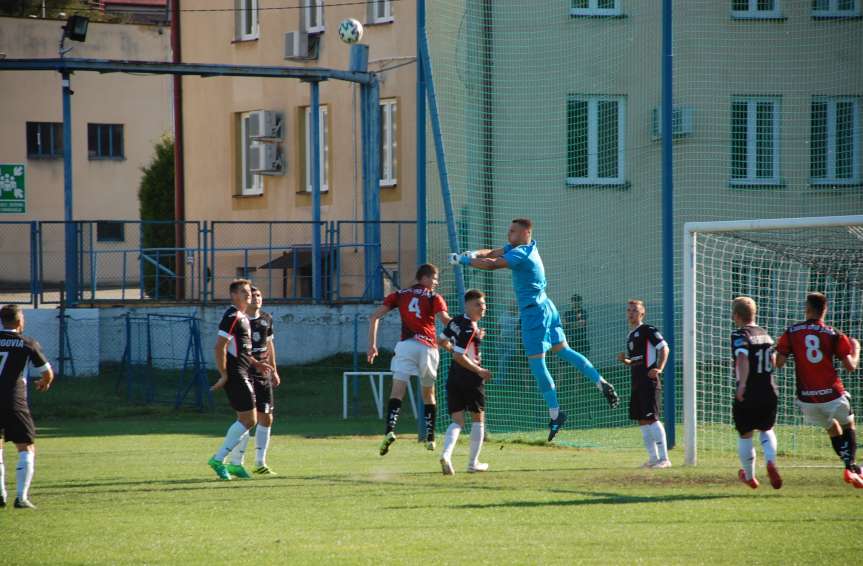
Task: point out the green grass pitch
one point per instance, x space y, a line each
133 487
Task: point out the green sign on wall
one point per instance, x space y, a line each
13 193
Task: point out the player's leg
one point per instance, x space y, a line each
843 436
430 358
394 407
21 431
477 434
262 442
765 423
24 474
583 365
742 416
3 493
241 396
646 436
452 434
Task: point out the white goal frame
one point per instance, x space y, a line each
690 263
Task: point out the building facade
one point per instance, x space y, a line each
116 121
246 141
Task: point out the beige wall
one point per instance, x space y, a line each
212 105
102 189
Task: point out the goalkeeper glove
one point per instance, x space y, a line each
462 258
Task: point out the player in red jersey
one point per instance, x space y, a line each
820 394
417 351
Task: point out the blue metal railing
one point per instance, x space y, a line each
277 255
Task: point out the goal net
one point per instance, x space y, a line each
776 262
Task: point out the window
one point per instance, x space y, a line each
595 140
595 8
251 184
755 9
313 12
379 11
105 141
835 8
324 149
389 143
44 140
110 232
755 141
835 143
246 20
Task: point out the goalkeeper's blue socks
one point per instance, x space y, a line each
581 363
545 384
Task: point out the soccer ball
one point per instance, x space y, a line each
350 30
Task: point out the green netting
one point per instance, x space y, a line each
550 110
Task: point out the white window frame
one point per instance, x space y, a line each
830 178
593 177
387 16
753 13
325 149
389 142
752 140
249 9
257 186
593 9
318 7
833 10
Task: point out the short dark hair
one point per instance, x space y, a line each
255 289
237 283
523 222
10 315
817 302
426 270
473 294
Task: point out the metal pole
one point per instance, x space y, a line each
422 246
315 142
441 164
70 236
668 220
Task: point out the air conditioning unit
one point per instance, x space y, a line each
266 159
296 45
266 125
681 122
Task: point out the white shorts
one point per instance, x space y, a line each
414 358
821 414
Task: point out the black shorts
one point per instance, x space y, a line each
17 426
749 416
644 402
465 395
263 389
240 391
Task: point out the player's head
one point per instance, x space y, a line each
427 275
743 311
520 231
635 311
241 293
12 317
816 306
474 304
257 299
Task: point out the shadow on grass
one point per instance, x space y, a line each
596 498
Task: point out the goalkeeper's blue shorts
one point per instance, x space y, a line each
541 328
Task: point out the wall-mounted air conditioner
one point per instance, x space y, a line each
266 125
681 122
266 159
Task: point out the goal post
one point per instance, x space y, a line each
778 260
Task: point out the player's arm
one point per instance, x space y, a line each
489 254
374 319
271 355
621 357
40 364
661 359
741 369
488 263
783 349
444 317
221 355
851 361
466 362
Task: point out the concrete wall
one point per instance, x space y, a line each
303 333
102 189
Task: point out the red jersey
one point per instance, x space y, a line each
814 345
417 306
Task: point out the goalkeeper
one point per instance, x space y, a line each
541 329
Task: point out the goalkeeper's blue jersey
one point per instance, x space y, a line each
528 274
